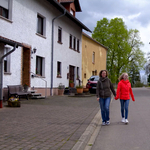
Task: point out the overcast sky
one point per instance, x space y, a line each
135 14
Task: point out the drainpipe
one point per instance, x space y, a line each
52 49
1 79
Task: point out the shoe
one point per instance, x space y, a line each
103 123
126 121
107 122
123 120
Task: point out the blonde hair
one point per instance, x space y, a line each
121 77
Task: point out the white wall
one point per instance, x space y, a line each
23 29
63 53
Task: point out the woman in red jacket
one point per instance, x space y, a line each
123 93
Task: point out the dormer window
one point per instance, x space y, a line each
71 11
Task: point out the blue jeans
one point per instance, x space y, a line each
104 105
124 108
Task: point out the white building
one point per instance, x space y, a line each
28 24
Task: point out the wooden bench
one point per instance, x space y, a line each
17 90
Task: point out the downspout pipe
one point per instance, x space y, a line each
1 79
52 51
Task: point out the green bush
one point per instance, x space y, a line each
138 84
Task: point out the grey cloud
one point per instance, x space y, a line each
112 8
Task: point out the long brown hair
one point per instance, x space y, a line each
100 73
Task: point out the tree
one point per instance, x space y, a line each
123 46
147 65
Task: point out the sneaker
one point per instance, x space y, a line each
107 122
126 121
103 123
123 120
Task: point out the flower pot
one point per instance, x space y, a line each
60 91
26 88
79 90
14 104
85 89
71 85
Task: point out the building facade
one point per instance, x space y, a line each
94 57
49 44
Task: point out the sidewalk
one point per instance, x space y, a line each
55 123
118 136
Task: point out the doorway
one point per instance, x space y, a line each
26 66
71 72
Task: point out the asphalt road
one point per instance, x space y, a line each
135 135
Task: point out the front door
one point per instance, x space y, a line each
71 72
26 66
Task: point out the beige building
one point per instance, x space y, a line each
94 56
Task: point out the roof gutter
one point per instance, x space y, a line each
1 79
52 51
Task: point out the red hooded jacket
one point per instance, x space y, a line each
124 90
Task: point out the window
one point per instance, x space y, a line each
4 8
7 60
70 42
78 77
40 63
74 43
59 35
4 12
93 57
71 11
40 25
78 45
84 75
93 73
58 69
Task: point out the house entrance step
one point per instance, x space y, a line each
35 94
38 97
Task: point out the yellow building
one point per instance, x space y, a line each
94 57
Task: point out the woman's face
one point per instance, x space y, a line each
104 74
125 76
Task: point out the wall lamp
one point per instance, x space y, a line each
33 51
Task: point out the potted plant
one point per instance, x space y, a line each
79 89
85 89
71 84
25 86
61 89
58 74
78 77
13 102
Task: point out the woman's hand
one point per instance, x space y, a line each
98 99
115 98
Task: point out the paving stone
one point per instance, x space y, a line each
52 123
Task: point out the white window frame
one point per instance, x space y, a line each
9 8
78 73
44 25
59 69
7 59
72 12
78 45
42 65
74 43
70 41
93 57
60 40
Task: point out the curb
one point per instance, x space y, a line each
84 139
88 138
